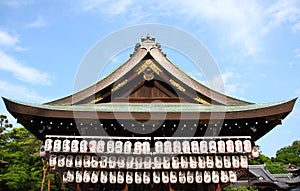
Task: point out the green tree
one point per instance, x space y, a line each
290 154
20 148
242 188
4 124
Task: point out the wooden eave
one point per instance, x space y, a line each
140 111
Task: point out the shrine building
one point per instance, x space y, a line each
149 126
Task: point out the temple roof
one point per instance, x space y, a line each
149 85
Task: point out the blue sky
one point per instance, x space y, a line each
256 45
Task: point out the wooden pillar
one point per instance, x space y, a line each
170 187
49 180
126 187
219 187
78 187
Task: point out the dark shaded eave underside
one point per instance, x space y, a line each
142 111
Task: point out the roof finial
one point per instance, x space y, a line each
148 41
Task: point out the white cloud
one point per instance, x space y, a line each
223 83
22 72
16 3
297 52
237 21
284 12
20 93
39 22
7 39
107 7
242 24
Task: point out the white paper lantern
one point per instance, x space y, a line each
255 152
48 145
184 162
130 162
146 147
103 161
87 161
74 146
146 177
83 146
207 177
157 162
52 160
203 147
227 162
198 177
221 146
166 162
127 147
165 177
193 162
94 162
244 161
70 176
232 176
66 145
230 146
182 177
176 147
247 146
156 177
86 176
61 161
138 162
100 146
95 177
173 177
238 146
212 146
175 162
78 161
186 147
112 162
201 162
119 147
93 146
137 147
110 146
69 161
138 177
65 177
103 177
195 147
215 177
121 177
112 177
147 162
218 162
158 147
167 147
129 177
235 161
57 145
190 177
121 162
209 161
224 176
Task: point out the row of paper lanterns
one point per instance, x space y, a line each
149 162
160 147
144 177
